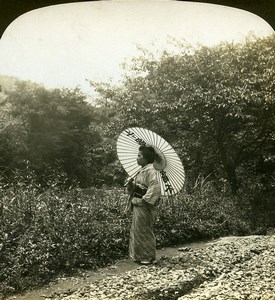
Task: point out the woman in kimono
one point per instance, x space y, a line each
145 193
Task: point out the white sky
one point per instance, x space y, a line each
63 45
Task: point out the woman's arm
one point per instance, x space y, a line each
154 190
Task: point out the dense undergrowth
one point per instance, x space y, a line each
54 230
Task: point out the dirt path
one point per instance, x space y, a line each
228 268
71 284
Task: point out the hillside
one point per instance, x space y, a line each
7 83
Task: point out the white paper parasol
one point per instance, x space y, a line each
169 166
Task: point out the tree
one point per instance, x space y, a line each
214 104
58 125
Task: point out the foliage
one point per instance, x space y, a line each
215 105
7 83
45 126
204 213
54 230
45 233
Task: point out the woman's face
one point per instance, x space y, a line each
141 160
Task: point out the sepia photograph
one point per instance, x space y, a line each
137 150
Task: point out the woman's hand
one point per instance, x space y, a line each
130 186
137 201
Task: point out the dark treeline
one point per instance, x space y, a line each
46 130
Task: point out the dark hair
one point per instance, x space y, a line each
148 153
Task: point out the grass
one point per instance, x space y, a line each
45 233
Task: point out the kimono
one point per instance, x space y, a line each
142 246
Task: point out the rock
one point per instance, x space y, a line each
271 241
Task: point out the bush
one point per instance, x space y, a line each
203 213
43 234
53 231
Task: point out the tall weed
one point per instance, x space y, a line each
45 232
55 228
204 213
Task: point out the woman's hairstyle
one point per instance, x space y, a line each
148 153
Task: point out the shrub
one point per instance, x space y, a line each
53 231
43 234
204 213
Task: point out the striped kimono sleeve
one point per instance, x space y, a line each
154 191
